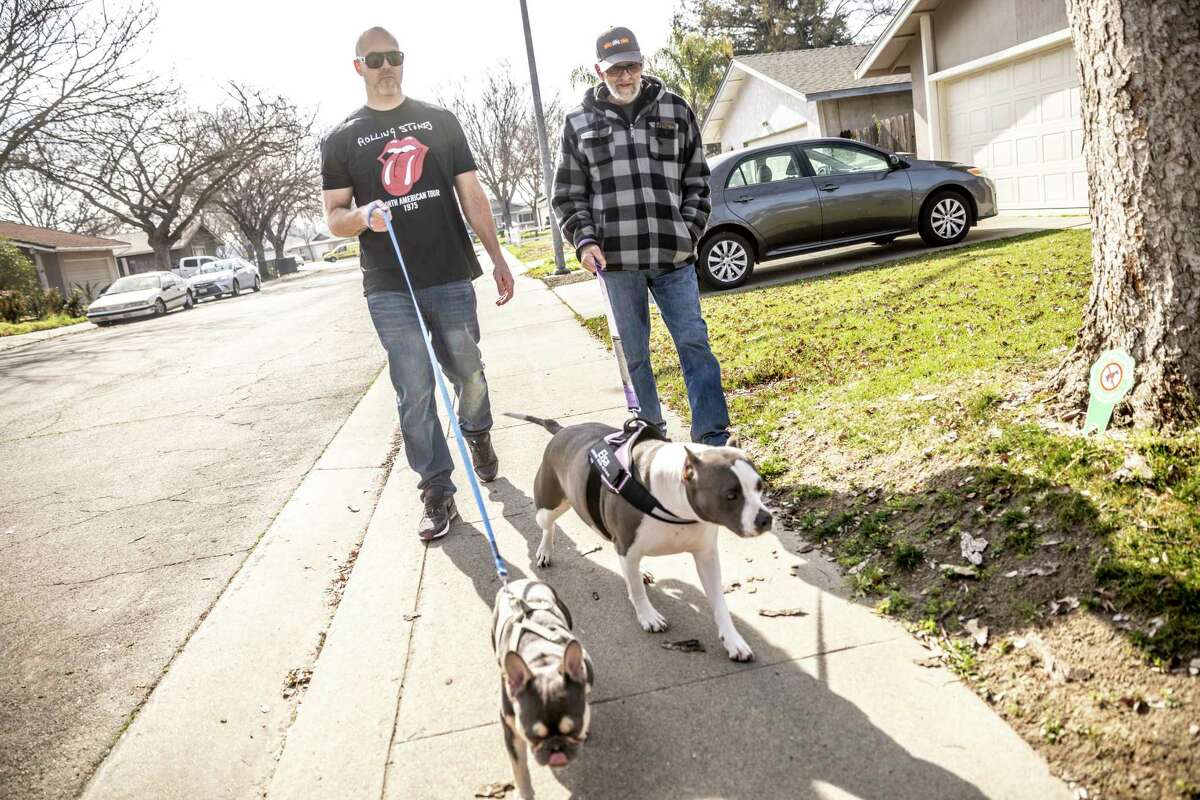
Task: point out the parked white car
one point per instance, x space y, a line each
228 276
190 265
140 295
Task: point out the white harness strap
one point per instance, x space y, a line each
521 623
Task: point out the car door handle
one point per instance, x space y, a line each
743 199
830 187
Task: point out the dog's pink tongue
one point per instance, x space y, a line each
558 760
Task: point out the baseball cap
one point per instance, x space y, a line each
617 46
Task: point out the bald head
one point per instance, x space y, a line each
377 38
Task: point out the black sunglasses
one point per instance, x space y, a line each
375 60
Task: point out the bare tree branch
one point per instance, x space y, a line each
158 168
491 118
64 62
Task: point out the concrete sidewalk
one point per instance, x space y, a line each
404 692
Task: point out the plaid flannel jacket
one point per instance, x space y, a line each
638 190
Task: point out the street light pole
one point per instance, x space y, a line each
560 267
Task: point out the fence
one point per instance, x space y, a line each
896 134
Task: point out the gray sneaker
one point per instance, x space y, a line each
439 512
486 462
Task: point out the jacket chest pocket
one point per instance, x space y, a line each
664 140
597 146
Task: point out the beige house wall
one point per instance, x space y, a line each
964 30
916 68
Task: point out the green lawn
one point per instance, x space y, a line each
56 321
914 377
538 251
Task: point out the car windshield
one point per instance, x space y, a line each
218 266
133 283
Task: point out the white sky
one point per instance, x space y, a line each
303 49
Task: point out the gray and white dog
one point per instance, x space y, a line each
546 679
718 487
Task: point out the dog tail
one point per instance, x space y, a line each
548 424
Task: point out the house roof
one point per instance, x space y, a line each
824 69
881 58
138 242
55 240
822 73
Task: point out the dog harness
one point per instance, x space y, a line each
521 621
610 459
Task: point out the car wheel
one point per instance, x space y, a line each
726 261
236 289
160 308
189 302
886 240
257 284
945 219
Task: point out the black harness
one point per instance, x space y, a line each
610 459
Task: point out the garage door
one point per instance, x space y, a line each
99 272
1020 123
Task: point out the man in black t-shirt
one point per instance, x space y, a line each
401 159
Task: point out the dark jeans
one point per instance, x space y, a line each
450 312
677 296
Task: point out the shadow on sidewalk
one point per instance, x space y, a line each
765 730
665 725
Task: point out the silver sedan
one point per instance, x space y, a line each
229 276
142 295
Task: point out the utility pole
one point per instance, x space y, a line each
560 267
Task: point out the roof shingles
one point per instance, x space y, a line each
47 237
825 69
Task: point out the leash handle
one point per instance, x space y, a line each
631 398
501 569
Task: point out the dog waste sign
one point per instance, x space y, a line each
1112 378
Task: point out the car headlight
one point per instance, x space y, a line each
975 171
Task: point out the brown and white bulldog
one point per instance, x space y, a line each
546 679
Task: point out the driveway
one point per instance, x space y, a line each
141 464
584 298
828 262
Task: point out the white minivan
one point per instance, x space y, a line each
190 265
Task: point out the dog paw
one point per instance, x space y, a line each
652 621
738 649
542 558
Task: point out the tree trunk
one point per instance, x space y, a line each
162 251
1139 68
260 253
507 214
277 246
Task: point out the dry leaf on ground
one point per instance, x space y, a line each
782 612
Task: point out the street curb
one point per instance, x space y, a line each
33 337
214 724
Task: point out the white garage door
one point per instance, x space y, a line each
99 272
1020 123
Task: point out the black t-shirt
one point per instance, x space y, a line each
407 157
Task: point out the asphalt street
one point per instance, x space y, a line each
141 463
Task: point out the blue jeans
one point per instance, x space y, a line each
450 312
677 296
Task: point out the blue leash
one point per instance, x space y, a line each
501 570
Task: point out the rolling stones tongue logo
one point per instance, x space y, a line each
402 161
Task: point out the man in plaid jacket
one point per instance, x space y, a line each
631 194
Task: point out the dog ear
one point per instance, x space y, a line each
690 462
516 672
572 663
733 441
